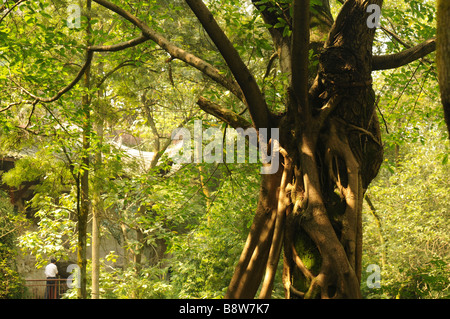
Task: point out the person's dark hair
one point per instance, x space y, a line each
53 260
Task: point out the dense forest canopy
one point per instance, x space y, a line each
353 96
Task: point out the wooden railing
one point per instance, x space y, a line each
39 289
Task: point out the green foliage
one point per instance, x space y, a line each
149 283
203 259
412 202
116 282
28 169
11 283
56 234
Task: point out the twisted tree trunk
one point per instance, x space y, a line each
331 146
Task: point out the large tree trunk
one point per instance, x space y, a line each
331 146
443 55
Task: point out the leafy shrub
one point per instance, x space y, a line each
11 283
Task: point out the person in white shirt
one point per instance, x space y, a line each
51 271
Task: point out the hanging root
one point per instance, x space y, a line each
339 251
350 188
298 198
299 263
277 240
265 230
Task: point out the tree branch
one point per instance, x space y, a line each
10 9
270 64
14 103
119 66
175 51
87 63
392 61
255 100
233 119
119 46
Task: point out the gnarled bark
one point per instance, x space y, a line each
331 151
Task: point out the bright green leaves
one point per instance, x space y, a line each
11 223
411 201
205 254
27 169
57 228
411 20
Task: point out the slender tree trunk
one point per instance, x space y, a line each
96 211
85 202
84 177
97 203
374 213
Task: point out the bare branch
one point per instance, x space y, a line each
395 37
167 143
14 103
270 64
66 88
10 9
391 61
119 46
233 119
255 100
175 51
119 66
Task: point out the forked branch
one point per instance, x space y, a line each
175 51
229 117
253 95
119 46
67 88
